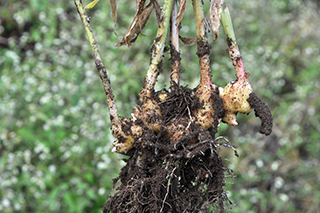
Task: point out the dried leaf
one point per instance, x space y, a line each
206 24
140 6
113 5
91 4
182 11
136 26
188 41
215 12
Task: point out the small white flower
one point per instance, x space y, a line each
101 191
6 203
52 168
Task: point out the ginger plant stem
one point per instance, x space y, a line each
100 66
234 51
202 44
205 89
157 51
174 46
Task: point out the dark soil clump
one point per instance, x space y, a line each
179 103
186 175
262 111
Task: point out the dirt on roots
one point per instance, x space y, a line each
186 175
183 176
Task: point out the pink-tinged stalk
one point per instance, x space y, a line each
234 51
236 59
241 72
236 93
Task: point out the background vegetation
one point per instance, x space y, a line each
55 136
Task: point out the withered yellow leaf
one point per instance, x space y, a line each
182 11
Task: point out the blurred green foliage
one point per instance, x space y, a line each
55 136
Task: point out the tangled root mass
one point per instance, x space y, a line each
184 176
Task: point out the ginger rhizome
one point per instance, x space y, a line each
207 111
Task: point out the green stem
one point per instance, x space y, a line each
234 51
157 51
227 24
199 17
99 65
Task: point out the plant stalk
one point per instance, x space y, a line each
234 51
174 46
100 66
157 51
202 44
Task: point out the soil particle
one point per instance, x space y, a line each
159 66
175 55
126 127
138 122
229 41
158 38
203 48
219 111
262 111
111 117
153 50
